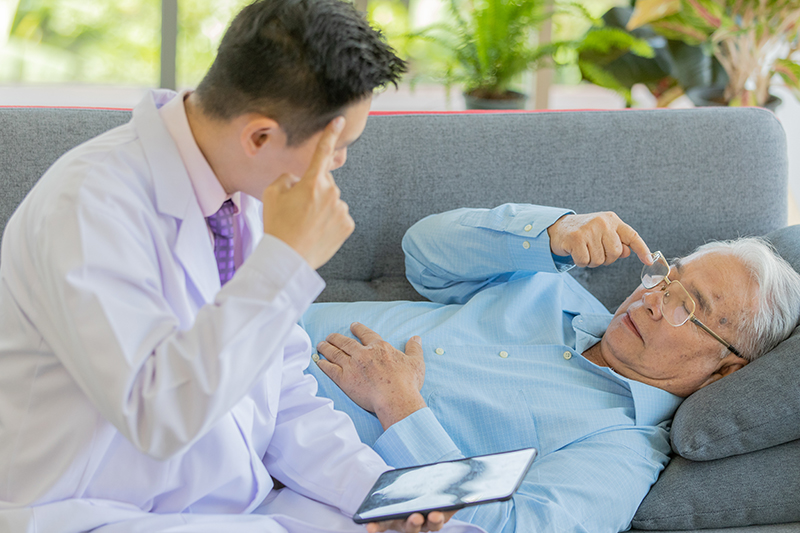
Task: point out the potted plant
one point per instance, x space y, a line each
484 47
489 43
668 68
753 40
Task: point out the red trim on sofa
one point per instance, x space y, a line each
375 113
64 107
481 111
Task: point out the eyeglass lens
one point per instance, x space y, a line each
676 304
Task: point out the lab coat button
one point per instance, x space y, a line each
503 354
439 351
526 245
567 355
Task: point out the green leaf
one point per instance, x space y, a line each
705 15
675 28
603 78
790 72
605 40
579 9
642 48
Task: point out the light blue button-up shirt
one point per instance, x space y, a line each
503 338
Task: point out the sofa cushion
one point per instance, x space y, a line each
742 435
754 408
756 488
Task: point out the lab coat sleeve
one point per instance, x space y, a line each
593 485
103 310
315 449
453 255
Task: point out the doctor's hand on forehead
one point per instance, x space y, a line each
414 523
596 239
308 213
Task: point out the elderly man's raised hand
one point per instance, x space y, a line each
307 213
596 239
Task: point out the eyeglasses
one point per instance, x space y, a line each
677 305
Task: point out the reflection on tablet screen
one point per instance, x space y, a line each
446 485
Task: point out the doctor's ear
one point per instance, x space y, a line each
259 132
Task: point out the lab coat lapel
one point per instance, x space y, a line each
174 196
253 229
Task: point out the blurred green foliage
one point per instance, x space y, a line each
109 41
570 26
397 18
100 41
201 24
118 41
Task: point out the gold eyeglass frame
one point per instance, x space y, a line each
659 257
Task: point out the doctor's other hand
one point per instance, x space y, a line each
307 213
596 239
374 374
414 523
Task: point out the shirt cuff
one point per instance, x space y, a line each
416 440
529 244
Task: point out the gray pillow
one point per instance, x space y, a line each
756 488
754 408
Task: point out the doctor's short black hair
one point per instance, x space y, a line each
299 62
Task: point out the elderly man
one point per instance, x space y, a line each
519 354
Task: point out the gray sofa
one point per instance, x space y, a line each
679 177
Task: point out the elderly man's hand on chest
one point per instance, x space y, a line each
374 374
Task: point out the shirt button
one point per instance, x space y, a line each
315 357
528 227
439 351
503 354
567 355
526 245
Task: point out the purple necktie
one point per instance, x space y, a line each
221 224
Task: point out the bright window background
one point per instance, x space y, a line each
106 41
201 24
119 41
94 41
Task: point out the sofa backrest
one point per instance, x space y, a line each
679 177
32 138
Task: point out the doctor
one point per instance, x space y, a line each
151 368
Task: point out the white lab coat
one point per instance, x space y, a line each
137 395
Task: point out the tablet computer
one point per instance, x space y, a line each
445 486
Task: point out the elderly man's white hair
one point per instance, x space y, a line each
778 305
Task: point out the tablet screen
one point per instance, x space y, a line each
444 486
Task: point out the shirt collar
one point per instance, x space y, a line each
651 404
589 329
207 188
